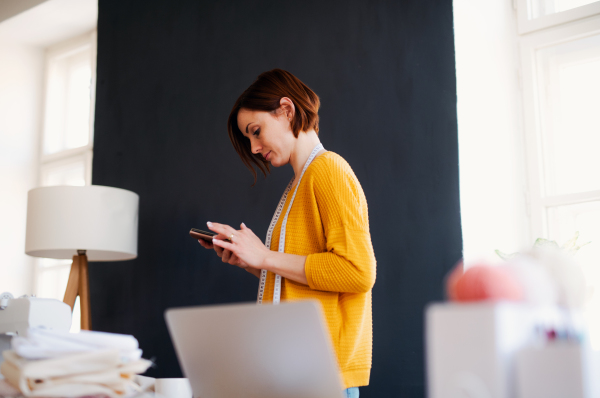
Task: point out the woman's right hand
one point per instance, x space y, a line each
227 256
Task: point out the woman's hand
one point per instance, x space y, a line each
247 251
226 255
245 246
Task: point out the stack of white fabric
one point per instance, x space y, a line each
48 363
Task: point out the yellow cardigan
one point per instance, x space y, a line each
329 223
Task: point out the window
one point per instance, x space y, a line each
561 69
540 8
67 140
540 14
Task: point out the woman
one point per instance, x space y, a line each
318 245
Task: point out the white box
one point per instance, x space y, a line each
558 370
470 347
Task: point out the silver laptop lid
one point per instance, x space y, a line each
255 351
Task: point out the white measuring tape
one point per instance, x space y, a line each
263 273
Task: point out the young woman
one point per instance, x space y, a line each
318 245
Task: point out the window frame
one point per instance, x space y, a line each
526 25
538 201
58 51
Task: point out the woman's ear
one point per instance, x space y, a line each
287 107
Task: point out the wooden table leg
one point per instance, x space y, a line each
73 284
84 293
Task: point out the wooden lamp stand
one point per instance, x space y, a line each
79 285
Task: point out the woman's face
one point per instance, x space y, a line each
270 134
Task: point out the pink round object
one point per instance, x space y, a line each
481 283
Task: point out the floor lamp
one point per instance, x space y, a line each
89 223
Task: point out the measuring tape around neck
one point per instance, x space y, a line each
263 273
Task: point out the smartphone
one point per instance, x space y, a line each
205 235
200 234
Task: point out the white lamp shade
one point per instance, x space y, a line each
101 220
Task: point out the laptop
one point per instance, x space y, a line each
255 351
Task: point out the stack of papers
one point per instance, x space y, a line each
48 363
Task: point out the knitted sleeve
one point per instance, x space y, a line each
348 265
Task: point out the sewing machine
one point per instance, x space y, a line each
19 314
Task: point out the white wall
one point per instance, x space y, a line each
21 71
491 147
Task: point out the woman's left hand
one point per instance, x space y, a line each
245 245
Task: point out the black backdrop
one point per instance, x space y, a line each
168 74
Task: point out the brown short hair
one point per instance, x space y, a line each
265 95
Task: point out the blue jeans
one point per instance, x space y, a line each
351 392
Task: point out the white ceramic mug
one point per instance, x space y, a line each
173 388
